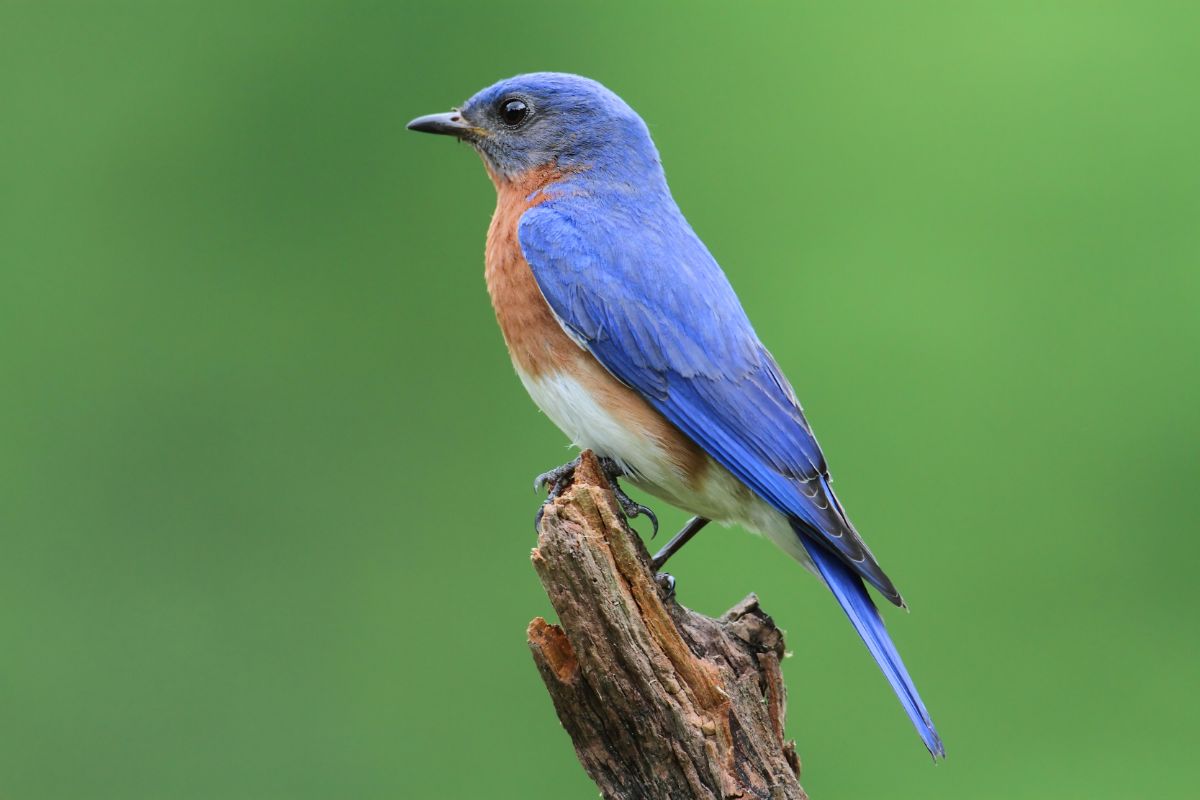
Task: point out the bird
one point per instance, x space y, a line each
627 334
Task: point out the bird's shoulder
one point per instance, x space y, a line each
627 270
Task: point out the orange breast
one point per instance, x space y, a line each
538 344
536 341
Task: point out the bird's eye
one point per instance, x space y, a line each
513 111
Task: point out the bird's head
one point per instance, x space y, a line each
550 119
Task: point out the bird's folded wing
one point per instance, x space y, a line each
652 305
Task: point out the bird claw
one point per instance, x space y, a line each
559 477
666 582
632 508
556 478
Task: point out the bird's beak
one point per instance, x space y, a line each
449 124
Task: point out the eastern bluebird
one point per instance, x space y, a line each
627 334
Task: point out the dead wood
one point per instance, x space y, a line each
659 701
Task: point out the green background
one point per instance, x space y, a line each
264 465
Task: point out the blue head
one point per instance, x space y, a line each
551 119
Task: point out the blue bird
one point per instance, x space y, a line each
627 334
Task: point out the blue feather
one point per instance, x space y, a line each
856 602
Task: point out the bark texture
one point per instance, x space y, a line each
659 701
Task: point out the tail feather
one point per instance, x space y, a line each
852 595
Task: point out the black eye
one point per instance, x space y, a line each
513 111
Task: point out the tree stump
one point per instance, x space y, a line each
659 701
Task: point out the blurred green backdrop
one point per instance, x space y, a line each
248 361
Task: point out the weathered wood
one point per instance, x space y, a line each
659 701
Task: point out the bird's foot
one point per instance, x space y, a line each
666 583
630 507
558 479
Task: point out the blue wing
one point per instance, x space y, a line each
644 295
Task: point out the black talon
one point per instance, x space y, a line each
632 508
653 520
557 479
666 582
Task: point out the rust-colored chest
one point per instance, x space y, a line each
535 340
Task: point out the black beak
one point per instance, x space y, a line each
448 124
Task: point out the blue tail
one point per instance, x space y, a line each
850 592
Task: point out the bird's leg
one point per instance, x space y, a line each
632 508
677 542
666 580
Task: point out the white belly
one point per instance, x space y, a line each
590 426
719 496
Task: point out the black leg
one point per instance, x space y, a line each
678 541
